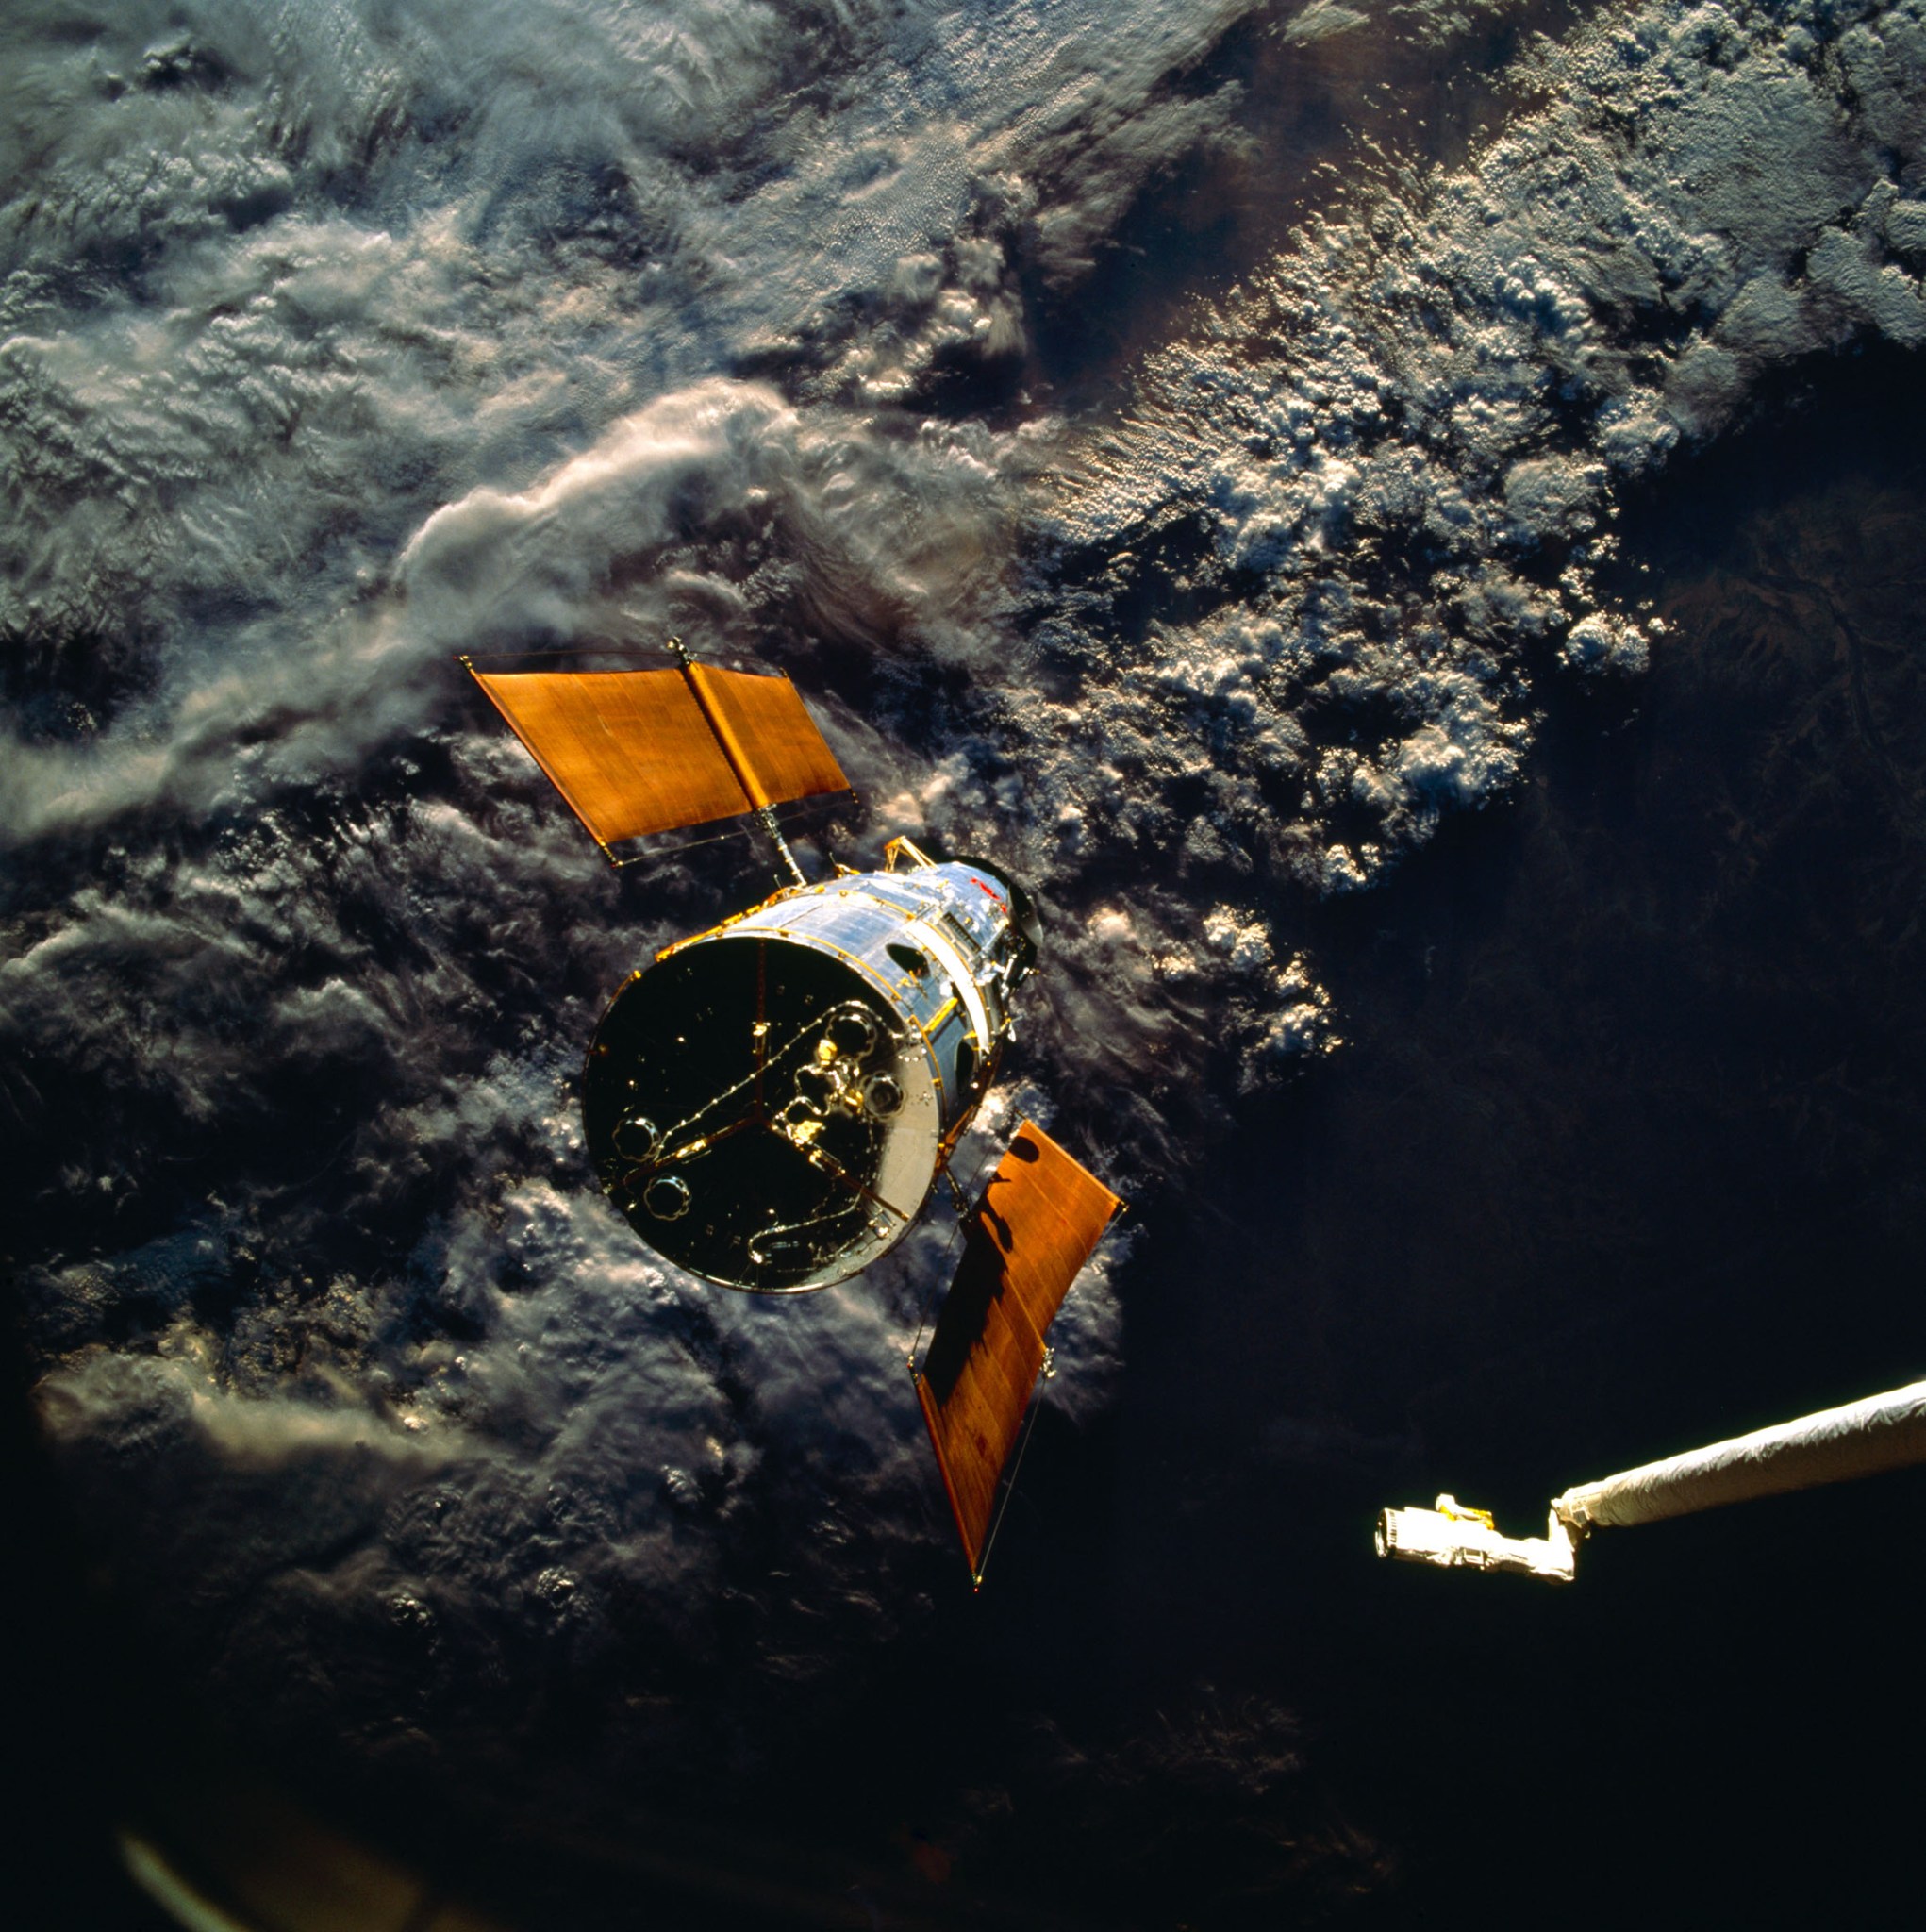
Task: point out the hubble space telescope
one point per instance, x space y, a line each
770 1104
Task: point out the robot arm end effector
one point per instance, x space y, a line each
1451 1536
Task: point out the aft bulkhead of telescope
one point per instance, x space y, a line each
769 1104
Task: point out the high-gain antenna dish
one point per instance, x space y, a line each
770 1104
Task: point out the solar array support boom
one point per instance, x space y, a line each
738 758
1865 1438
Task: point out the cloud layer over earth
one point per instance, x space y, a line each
335 338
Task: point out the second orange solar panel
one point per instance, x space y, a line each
1037 1225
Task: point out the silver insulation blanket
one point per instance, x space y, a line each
1862 1438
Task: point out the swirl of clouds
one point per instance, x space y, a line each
335 338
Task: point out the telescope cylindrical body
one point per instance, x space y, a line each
1861 1439
770 1103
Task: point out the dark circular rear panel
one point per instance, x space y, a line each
736 1098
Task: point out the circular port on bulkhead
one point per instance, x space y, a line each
853 1032
882 1096
667 1197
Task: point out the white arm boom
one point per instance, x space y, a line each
1862 1438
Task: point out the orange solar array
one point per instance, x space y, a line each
1034 1228
629 750
635 752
